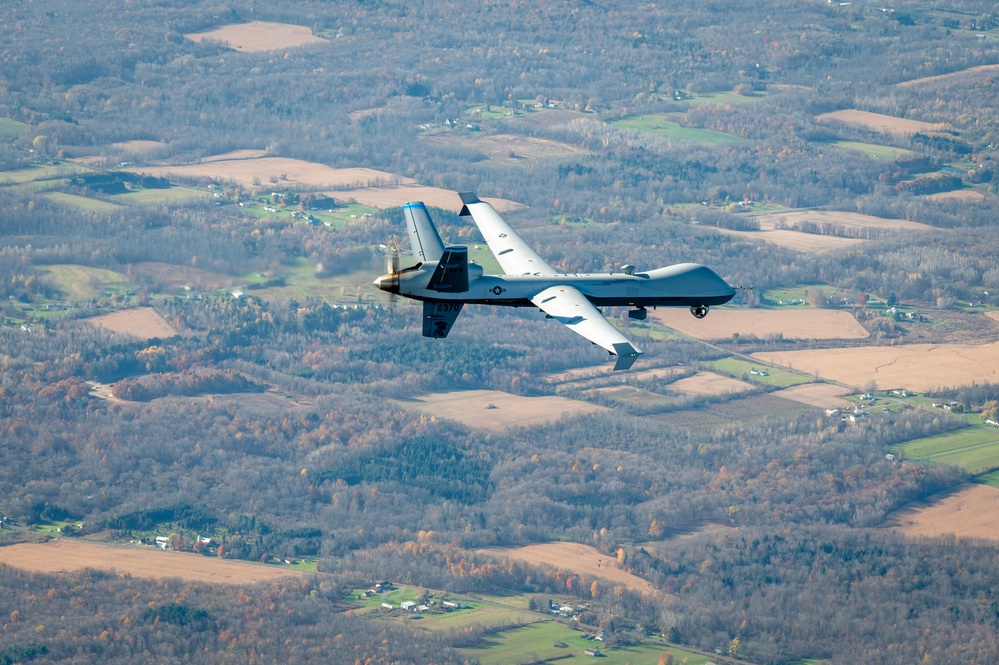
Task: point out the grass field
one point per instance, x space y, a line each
882 152
9 127
744 369
722 98
34 173
339 218
176 195
973 448
80 283
991 479
531 638
81 202
536 642
659 123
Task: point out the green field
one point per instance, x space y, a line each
882 152
338 218
13 128
34 173
721 98
973 448
304 565
532 637
743 369
991 479
536 642
81 202
489 111
660 123
81 283
177 195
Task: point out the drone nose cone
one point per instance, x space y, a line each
388 283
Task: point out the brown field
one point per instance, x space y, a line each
964 73
771 231
243 167
993 315
378 189
709 383
625 395
972 195
970 512
575 558
799 242
496 410
62 555
388 197
822 395
763 323
138 146
846 220
882 123
917 367
141 322
259 36
236 154
582 373
501 145
593 377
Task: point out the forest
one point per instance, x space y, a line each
277 420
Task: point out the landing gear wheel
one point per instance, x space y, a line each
699 311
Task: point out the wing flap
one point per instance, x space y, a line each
570 307
514 255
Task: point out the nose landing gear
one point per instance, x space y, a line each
699 311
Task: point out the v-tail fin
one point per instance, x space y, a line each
423 236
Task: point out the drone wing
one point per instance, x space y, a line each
569 306
514 255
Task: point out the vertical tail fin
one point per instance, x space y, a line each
426 242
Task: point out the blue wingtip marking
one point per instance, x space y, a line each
418 204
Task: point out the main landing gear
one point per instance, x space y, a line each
699 311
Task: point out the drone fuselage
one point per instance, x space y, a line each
684 284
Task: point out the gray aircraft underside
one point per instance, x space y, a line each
445 280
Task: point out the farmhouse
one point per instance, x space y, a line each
407 605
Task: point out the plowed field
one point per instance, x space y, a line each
576 558
63 556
